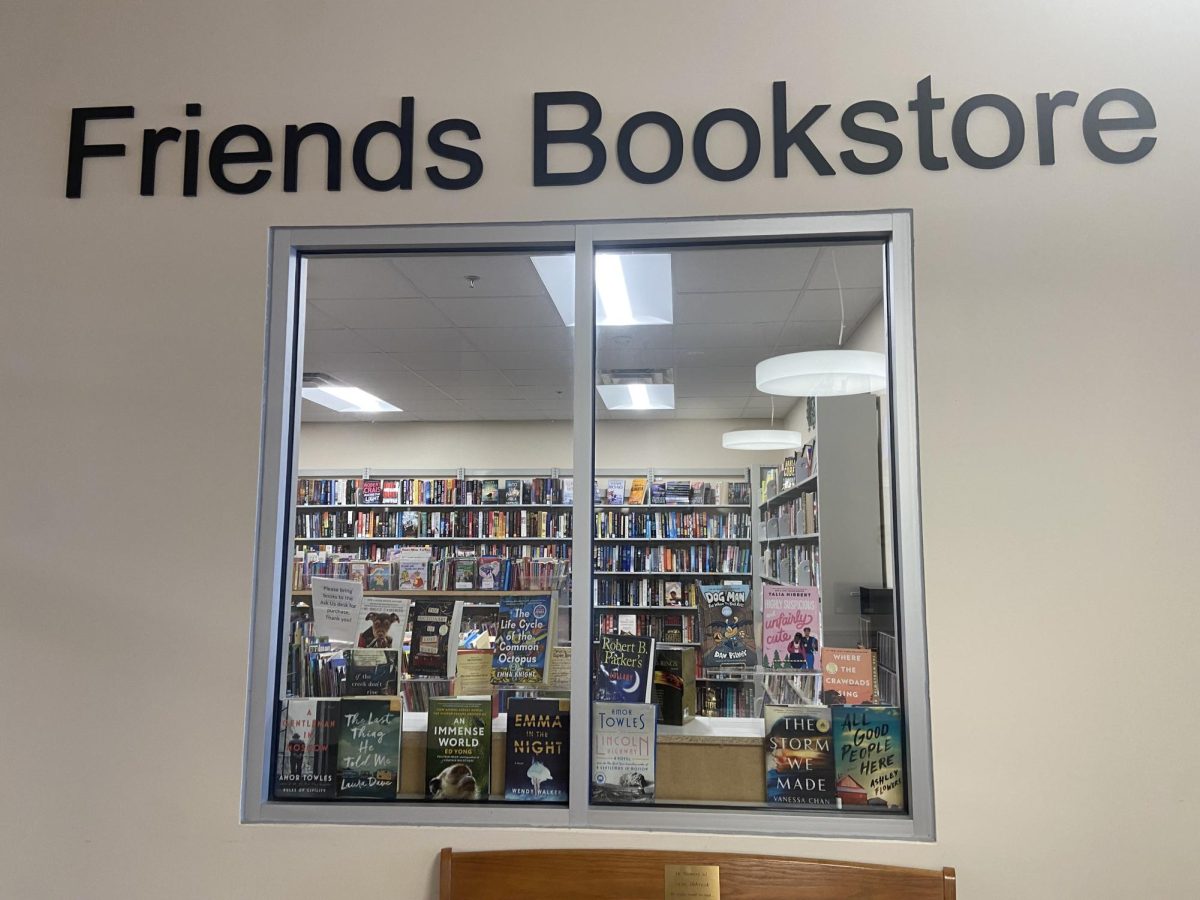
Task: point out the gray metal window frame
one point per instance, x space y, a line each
288 249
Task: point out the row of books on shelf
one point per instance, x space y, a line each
671 628
352 749
348 523
793 563
793 518
672 492
683 559
648 591
511 568
432 491
795 468
707 525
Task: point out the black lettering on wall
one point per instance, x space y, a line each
924 106
220 156
79 149
438 145
743 120
885 139
191 153
785 138
1094 126
1016 131
403 133
1046 105
152 139
543 137
294 136
674 143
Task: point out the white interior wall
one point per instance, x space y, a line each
1047 297
635 444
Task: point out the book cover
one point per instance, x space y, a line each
727 617
522 639
869 751
623 746
379 576
390 492
465 571
791 627
673 593
306 763
847 676
800 756
386 619
358 571
489 573
372 491
674 691
491 491
410 523
434 634
624 668
537 750
372 672
458 749
512 490
369 736
473 673
568 489
615 494
558 674
412 570
637 492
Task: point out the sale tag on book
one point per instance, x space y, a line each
693 883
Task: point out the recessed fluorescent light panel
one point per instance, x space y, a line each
330 393
637 388
631 288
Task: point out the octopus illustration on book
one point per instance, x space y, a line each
538 773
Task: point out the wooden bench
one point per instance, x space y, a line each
639 875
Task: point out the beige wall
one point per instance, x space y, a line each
1058 541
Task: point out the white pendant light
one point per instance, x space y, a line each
762 439
824 373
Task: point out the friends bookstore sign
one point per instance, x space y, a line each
244 159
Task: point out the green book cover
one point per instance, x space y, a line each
869 751
458 750
369 736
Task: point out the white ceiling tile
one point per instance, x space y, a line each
728 405
501 275
723 356
490 312
633 337
707 414
400 340
453 379
523 359
399 388
738 389
444 360
710 374
478 392
336 340
635 358
688 337
333 278
552 394
531 340
825 305
372 312
858 265
761 306
332 363
810 336
539 377
724 270
315 320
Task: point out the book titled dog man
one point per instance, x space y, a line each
458 751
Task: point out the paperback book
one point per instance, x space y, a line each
623 747
372 491
386 619
791 627
473 673
624 668
637 491
537 750
306 763
369 736
458 748
512 490
489 573
522 638
847 676
491 491
372 672
465 571
412 570
558 674
869 750
674 691
727 617
434 636
800 756
615 494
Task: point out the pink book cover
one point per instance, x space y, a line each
791 627
848 673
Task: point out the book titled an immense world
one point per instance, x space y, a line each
458 750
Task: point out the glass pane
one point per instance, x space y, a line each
427 652
744 624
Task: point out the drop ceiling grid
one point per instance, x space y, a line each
414 331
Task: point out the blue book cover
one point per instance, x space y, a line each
537 750
799 756
624 668
522 636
